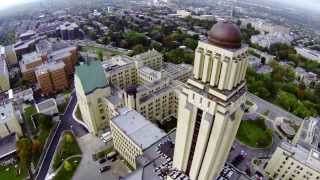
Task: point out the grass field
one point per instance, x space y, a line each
67 147
106 52
254 133
27 115
10 173
65 174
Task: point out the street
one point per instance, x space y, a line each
65 124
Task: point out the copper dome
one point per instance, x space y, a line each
225 34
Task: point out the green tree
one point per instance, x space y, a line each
67 166
99 53
302 111
190 43
287 100
137 49
24 152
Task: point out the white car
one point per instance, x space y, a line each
230 173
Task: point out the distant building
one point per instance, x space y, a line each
69 31
8 121
263 26
310 79
48 107
92 88
152 58
207 17
267 40
308 54
183 13
132 134
11 56
264 69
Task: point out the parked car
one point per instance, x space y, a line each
104 169
103 160
112 155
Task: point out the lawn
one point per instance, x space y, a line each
11 174
66 172
28 112
44 129
41 132
106 52
78 113
254 133
68 146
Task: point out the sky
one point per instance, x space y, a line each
310 4
8 3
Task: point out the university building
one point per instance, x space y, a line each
210 106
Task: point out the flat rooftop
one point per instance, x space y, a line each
46 104
30 58
6 112
44 68
146 55
116 62
8 145
150 160
140 130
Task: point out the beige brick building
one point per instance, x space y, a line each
132 134
152 58
294 162
121 71
210 106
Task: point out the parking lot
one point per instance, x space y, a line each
89 169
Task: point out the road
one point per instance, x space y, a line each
65 124
274 111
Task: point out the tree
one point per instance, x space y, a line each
68 138
137 49
24 151
99 53
36 146
287 100
190 43
44 121
67 166
302 111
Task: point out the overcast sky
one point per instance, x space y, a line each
310 4
8 3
